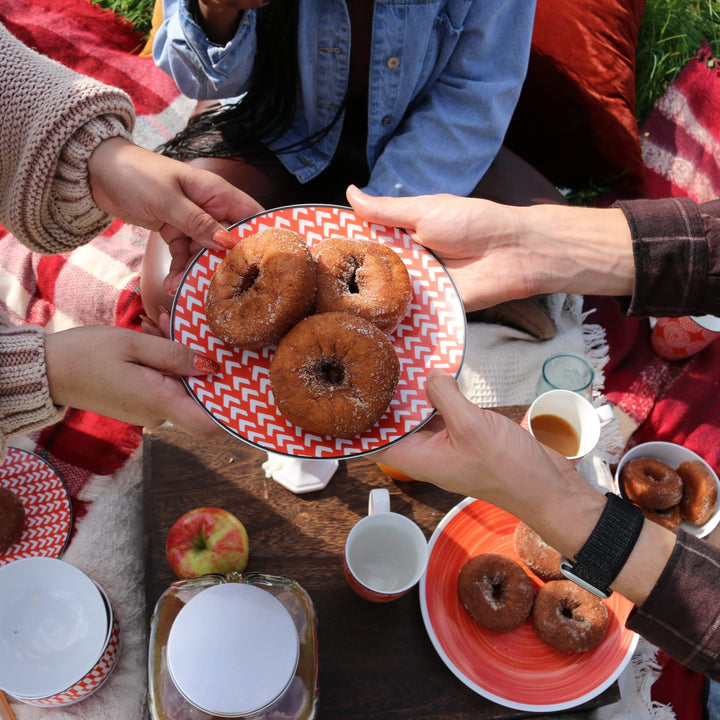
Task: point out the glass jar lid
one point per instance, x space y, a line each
233 649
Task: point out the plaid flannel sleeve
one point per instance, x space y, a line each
676 244
682 614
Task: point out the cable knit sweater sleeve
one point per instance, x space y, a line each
51 119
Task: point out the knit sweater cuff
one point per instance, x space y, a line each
71 187
25 402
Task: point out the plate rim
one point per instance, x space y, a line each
4 560
334 456
427 621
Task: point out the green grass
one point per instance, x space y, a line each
138 12
671 33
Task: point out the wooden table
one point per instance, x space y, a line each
375 660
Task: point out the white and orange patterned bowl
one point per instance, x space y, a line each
59 639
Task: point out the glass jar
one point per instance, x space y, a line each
236 645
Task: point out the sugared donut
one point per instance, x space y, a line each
263 286
334 374
542 559
651 483
362 277
699 498
495 591
12 518
669 517
568 618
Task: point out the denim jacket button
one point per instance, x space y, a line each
386 120
393 62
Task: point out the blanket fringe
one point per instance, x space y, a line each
635 689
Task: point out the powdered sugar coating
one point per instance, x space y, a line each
542 559
364 278
569 618
264 285
334 374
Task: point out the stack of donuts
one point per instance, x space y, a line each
330 310
670 495
499 595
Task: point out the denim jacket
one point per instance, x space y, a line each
445 76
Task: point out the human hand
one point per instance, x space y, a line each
479 453
482 454
474 239
129 376
189 207
495 253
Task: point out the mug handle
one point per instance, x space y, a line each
379 501
605 413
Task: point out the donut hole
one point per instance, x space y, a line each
331 371
352 282
497 589
567 609
247 281
655 475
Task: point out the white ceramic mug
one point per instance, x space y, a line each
584 419
385 553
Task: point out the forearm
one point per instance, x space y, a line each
564 512
25 400
578 250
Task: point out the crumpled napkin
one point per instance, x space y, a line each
299 475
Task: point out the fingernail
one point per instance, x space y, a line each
164 310
225 239
149 321
205 365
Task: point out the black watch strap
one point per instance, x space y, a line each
606 551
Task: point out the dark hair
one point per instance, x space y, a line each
268 108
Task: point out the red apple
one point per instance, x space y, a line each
207 540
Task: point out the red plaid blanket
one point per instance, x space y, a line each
98 283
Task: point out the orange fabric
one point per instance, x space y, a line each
157 19
576 119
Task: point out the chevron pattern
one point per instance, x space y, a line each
240 398
48 511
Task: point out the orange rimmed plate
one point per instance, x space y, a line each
514 669
240 399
